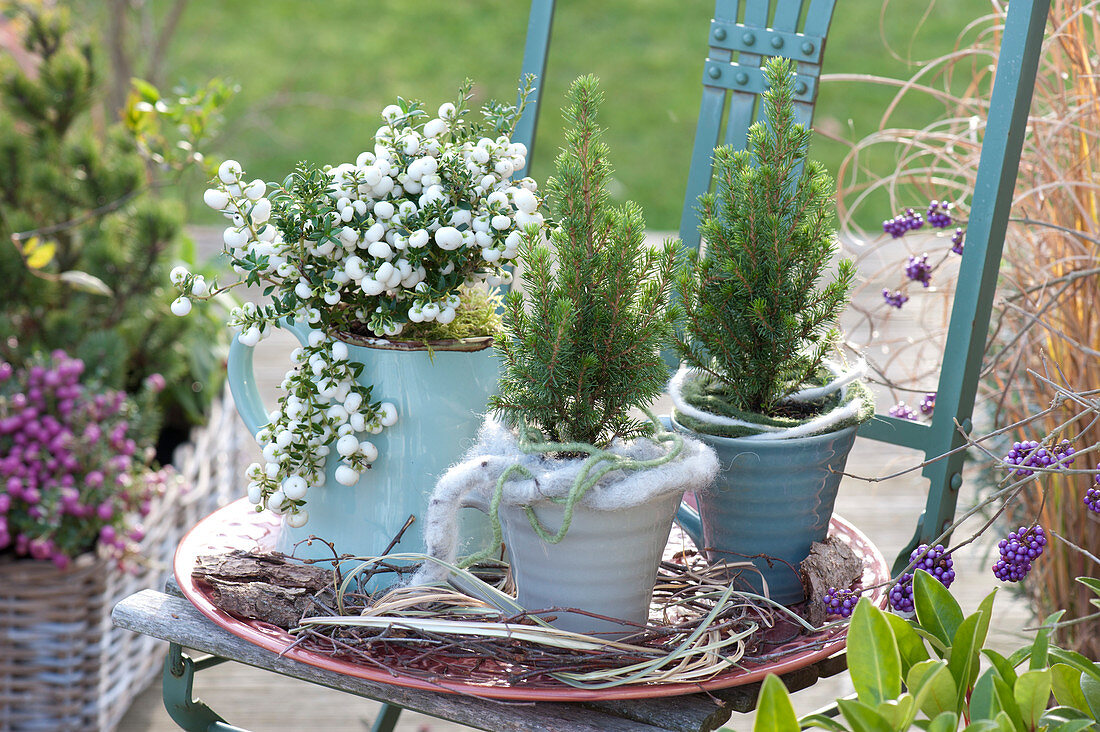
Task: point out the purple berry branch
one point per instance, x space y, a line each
918 268
1025 462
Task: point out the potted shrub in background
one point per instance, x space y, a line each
581 488
754 381
381 268
74 484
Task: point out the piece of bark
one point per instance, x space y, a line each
831 563
272 567
279 606
263 586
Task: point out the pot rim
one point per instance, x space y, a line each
741 441
469 345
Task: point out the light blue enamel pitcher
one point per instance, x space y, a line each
771 497
439 395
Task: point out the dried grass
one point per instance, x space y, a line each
472 629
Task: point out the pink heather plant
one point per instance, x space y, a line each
73 471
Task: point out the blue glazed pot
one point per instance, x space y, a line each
771 497
440 396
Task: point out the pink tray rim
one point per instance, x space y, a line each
242 513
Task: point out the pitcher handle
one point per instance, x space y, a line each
242 378
688 519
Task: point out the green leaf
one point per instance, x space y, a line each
936 644
899 713
1073 725
983 699
934 687
1063 716
1042 641
964 659
910 646
1019 656
937 611
148 92
1006 704
862 717
1065 682
773 708
1004 723
983 725
873 660
1032 692
1091 582
944 722
1003 665
820 720
1077 661
985 607
1090 687
85 282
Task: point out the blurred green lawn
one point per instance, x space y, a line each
314 76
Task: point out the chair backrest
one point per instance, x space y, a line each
742 35
745 33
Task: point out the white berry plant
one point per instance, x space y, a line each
362 251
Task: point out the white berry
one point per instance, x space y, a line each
181 306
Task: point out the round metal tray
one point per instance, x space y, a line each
239 526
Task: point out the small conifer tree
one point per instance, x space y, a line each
755 319
584 347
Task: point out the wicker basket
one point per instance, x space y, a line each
63 666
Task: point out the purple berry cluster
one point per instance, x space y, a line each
840 602
1092 497
901 594
1018 551
903 223
957 241
928 403
901 410
936 562
1030 454
70 471
938 215
919 270
897 299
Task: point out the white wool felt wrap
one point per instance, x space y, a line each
848 410
475 479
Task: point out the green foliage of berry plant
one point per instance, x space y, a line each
756 319
583 348
934 672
